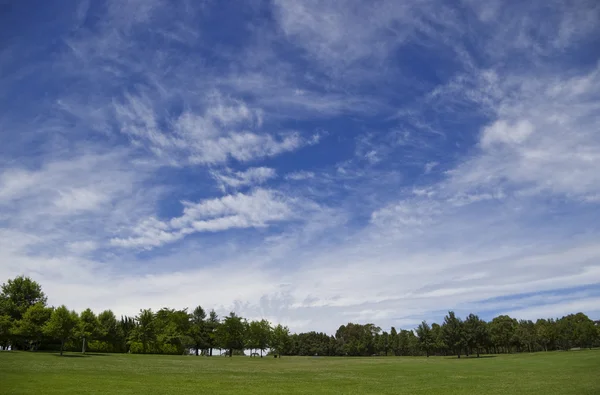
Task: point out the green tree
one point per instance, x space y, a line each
231 333
502 331
212 324
6 328
144 331
259 335
20 294
476 333
425 337
199 330
127 326
525 335
453 333
438 338
61 325
88 327
108 329
280 340
394 341
545 331
31 326
171 331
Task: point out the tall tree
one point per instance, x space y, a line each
476 333
425 337
280 340
108 329
231 333
199 330
144 330
31 326
394 341
212 324
502 331
62 325
20 294
88 327
453 333
525 335
438 338
6 328
259 335
545 331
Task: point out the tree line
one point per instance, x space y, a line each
27 323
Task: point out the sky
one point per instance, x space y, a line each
312 163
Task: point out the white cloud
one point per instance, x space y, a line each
502 132
258 209
300 175
429 166
251 176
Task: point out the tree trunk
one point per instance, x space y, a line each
262 351
210 354
197 350
230 352
83 346
62 346
477 352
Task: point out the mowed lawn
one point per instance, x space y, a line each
576 372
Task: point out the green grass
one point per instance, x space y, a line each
541 373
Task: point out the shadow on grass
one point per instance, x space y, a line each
86 355
472 357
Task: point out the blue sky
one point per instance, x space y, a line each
312 163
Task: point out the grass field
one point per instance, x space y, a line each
541 373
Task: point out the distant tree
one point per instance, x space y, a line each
61 325
144 332
231 333
525 335
438 339
476 333
108 328
357 339
262 335
88 327
280 340
212 324
16 296
545 331
199 330
6 327
31 326
127 326
425 337
453 333
384 343
502 331
394 341
171 331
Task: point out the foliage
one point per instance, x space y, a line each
30 326
454 333
425 337
170 331
61 325
18 295
232 333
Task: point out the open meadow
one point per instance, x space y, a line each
575 372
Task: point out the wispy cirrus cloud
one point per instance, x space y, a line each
458 170
257 209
